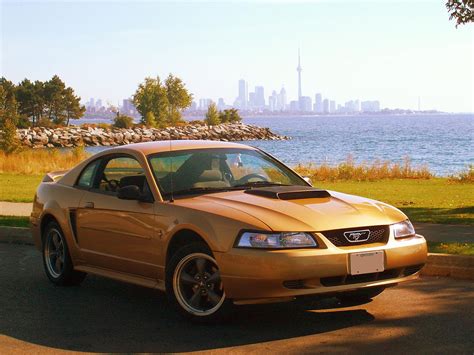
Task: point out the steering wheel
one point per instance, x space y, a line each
245 179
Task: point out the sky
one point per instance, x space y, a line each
392 51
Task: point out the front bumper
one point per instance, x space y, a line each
264 274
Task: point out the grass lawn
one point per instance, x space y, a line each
451 248
14 221
18 188
434 200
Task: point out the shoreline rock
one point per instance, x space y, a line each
68 137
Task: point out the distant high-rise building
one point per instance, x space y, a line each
98 104
259 97
193 106
204 104
294 105
305 104
299 69
332 106
128 107
356 106
350 106
273 101
252 103
325 106
91 102
370 106
220 103
318 103
281 100
243 97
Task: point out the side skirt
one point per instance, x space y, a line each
120 276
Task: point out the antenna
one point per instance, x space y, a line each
171 174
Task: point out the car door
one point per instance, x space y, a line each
113 233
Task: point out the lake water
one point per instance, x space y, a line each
445 143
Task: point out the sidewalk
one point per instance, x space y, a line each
15 209
431 231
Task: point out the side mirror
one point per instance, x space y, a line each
308 180
132 192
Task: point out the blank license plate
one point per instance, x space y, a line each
367 262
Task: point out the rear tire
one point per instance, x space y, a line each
194 285
56 258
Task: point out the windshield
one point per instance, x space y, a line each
213 170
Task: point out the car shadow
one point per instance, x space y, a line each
107 316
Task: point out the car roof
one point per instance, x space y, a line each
164 146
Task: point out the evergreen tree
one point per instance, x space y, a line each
8 116
212 115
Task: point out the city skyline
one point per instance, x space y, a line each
350 49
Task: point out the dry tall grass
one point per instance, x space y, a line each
465 175
377 170
41 161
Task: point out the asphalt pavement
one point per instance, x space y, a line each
433 315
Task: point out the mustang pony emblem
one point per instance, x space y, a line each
357 236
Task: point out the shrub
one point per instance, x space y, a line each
349 170
212 115
123 121
464 176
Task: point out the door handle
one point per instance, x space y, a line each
89 205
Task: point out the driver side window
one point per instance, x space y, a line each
120 172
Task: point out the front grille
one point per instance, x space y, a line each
377 234
354 279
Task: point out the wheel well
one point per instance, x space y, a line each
182 238
45 221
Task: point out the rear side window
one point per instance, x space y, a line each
86 179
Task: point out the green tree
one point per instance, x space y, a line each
224 116
150 120
72 105
230 116
212 115
461 10
55 104
234 115
30 98
8 116
123 121
178 98
151 97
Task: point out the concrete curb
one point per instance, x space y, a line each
447 265
455 266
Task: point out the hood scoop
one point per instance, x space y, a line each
288 192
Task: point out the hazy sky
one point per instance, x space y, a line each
393 51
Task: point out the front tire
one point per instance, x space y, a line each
194 285
56 258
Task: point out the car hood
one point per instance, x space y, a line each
313 214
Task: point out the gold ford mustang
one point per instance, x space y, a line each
217 224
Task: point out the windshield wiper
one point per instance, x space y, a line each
251 184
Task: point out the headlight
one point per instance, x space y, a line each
276 240
403 230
